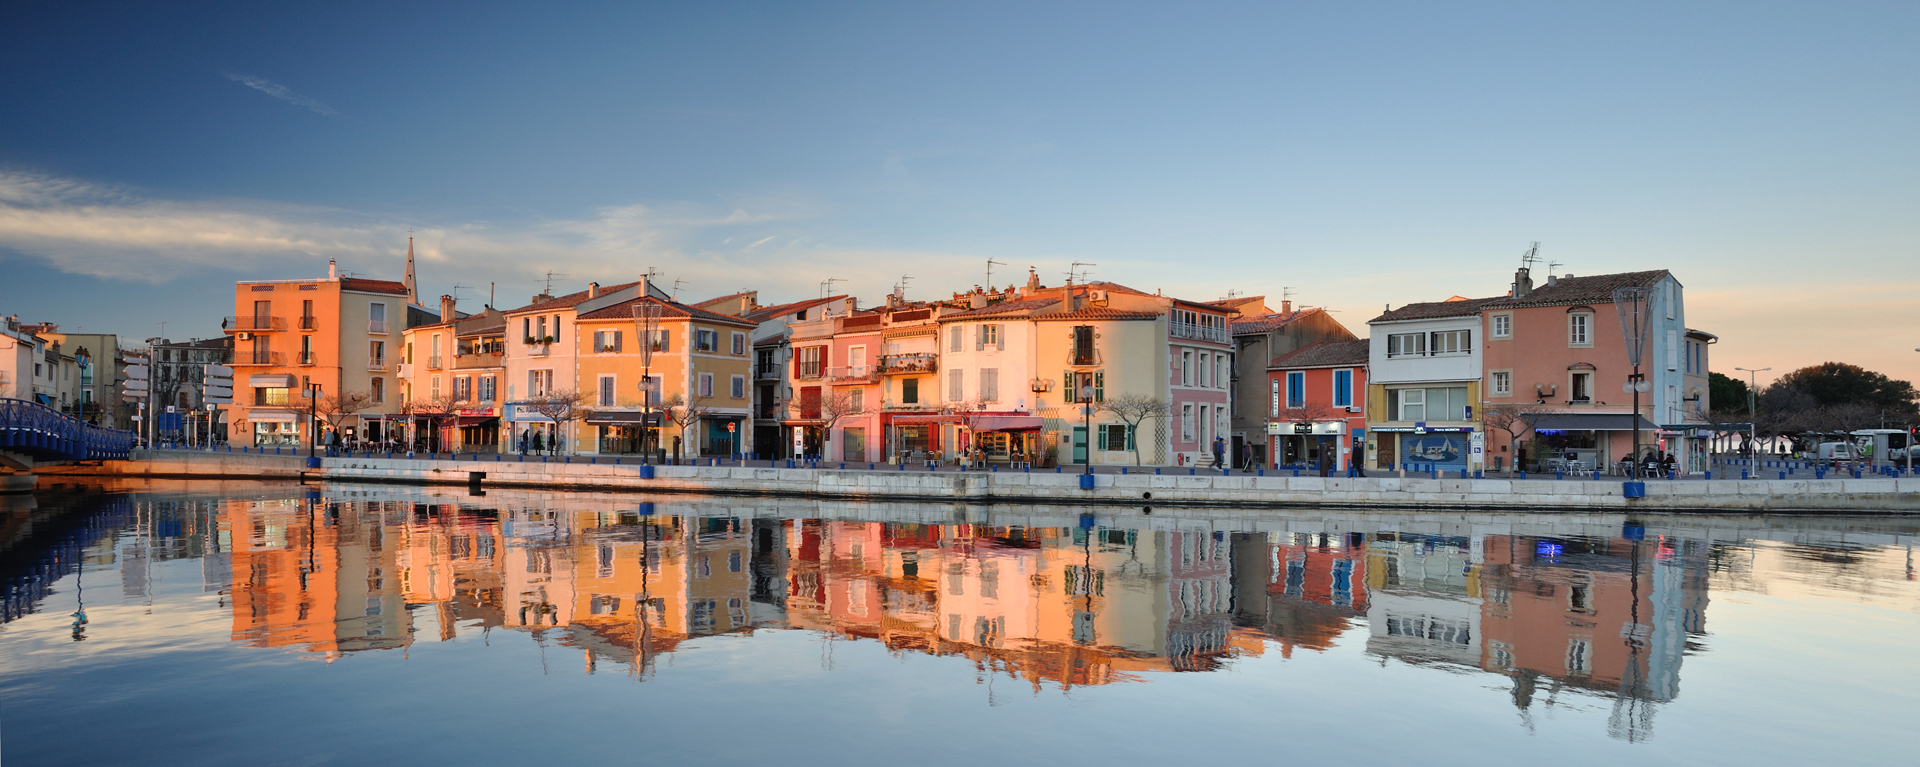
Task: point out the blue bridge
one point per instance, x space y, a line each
32 434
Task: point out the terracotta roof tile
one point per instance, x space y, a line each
1026 306
624 311
1436 310
1593 289
571 299
1324 354
770 312
1269 322
373 286
1096 313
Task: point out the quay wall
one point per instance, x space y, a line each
1201 489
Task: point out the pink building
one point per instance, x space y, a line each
1318 407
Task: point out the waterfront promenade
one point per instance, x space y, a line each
1196 487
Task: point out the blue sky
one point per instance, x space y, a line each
1359 155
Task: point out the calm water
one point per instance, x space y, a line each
269 625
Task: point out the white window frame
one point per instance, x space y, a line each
1500 326
1397 345
1404 404
737 387
1500 383
1579 329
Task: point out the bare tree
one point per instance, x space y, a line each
1515 420
685 411
337 409
1134 410
559 406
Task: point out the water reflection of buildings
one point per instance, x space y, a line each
1553 612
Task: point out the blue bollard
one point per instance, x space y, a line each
1189 471
1156 470
1123 470
1743 474
1783 475
1558 474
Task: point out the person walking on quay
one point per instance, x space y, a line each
1219 453
536 443
523 444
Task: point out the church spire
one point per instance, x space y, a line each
413 291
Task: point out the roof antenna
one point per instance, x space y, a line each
1531 257
826 286
550 275
676 289
990 264
490 287
1076 267
456 291
901 288
1552 265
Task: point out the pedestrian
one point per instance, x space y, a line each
1219 453
523 443
1246 456
536 443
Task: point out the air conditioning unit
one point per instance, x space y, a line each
243 336
1097 296
1353 408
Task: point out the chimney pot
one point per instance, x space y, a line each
593 290
446 308
1522 283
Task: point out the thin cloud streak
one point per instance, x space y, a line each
283 93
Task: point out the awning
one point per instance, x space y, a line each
272 381
1590 422
274 416
623 418
44 399
475 420
1005 422
911 420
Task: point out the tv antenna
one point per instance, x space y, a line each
826 286
990 265
456 292
1552 265
550 275
676 289
1286 294
1531 257
1076 268
901 287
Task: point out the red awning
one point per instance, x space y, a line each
1005 422
471 420
911 420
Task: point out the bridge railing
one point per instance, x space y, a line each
39 430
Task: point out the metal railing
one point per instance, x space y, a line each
479 360
259 358
39 430
764 372
309 323
305 359
376 326
377 364
434 363
253 323
854 373
1199 332
909 363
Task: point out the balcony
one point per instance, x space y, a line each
376 364
808 371
767 372
259 358
1199 332
894 364
253 324
377 326
309 323
304 359
538 350
476 361
1084 358
853 374
435 363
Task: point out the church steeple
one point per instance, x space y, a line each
413 291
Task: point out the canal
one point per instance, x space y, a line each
250 624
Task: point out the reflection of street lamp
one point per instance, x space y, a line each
1753 385
313 417
1086 407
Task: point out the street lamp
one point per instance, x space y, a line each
1086 407
1753 385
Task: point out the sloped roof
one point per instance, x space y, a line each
722 299
1593 289
624 311
570 300
1434 310
769 312
1025 306
1096 313
373 286
1263 324
1324 354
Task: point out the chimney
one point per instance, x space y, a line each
593 290
1552 280
446 308
977 301
1286 306
333 271
1033 283
1522 283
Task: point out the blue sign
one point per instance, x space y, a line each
170 422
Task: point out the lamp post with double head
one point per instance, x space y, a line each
1086 409
1753 426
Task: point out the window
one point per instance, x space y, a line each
1452 342
607 340
954 383
1206 368
606 391
953 338
376 318
1502 383
807 362
463 388
707 341
1673 350
526 329
1413 404
857 400
663 341
1276 399
1221 374
1579 327
539 382
740 344
379 390
1502 325
1582 387
988 337
650 390
737 387
910 391
1342 388
763 363
1186 367
1296 389
1077 382
706 384
1579 657
1406 345
1114 436
1083 345
270 396
377 355
989 384
486 388
1186 422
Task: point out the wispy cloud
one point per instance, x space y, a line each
283 93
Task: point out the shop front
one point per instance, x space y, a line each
1307 445
625 432
720 434
477 429
1002 438
915 437
1587 441
1423 448
276 428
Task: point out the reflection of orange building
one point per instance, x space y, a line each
308 576
1303 589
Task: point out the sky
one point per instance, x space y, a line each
1351 156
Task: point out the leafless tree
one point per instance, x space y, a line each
559 406
1514 420
1134 410
684 412
337 409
